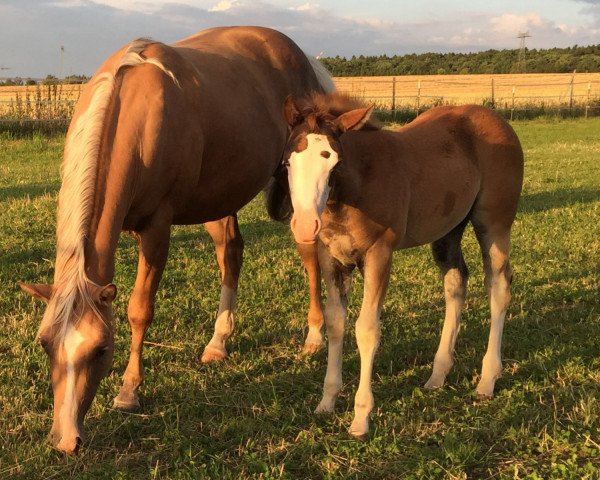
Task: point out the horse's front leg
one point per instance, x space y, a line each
368 331
229 247
314 338
338 279
153 251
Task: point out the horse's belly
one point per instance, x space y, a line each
428 223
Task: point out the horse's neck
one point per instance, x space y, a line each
350 173
111 202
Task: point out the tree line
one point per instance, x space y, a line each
553 60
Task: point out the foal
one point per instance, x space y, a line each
363 192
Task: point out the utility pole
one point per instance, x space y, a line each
521 62
62 61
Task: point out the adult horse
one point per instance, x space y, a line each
394 190
161 135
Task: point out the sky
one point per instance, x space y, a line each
32 32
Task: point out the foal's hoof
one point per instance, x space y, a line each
483 397
128 403
359 430
212 354
311 348
433 384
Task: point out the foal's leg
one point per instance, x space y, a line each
153 250
314 338
229 247
368 330
338 280
449 258
495 243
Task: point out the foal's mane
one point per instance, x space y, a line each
318 108
76 198
317 111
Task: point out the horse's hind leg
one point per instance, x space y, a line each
229 247
448 256
494 242
314 338
153 251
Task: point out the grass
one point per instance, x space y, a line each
251 416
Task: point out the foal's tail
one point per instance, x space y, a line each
277 196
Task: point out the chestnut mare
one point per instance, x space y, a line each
161 135
364 192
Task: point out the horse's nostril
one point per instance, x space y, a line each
318 225
78 442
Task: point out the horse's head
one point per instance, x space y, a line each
312 151
77 335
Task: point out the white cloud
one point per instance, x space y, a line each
223 6
91 30
512 24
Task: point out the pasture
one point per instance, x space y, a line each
252 416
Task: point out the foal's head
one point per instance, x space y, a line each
312 151
77 335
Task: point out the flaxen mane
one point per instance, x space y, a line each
76 197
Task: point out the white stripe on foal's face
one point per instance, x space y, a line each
68 409
308 174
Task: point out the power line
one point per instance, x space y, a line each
521 62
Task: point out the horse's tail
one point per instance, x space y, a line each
277 196
323 75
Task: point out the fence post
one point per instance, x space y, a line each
493 94
513 103
394 96
587 104
571 94
418 96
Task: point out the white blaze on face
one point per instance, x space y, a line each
68 409
308 175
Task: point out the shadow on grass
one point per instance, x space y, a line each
565 197
31 191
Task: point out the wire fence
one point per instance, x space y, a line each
49 107
514 95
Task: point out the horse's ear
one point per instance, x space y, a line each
291 112
354 119
105 295
41 291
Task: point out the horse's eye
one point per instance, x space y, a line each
45 345
100 351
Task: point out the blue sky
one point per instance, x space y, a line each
32 31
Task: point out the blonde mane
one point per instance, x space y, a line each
76 198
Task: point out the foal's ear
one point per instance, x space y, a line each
291 112
41 291
105 295
354 119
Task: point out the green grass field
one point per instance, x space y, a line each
252 416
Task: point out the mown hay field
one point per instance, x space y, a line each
252 416
529 89
410 91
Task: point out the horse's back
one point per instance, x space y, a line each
487 140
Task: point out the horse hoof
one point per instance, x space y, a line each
311 348
128 405
483 397
359 432
212 355
433 385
